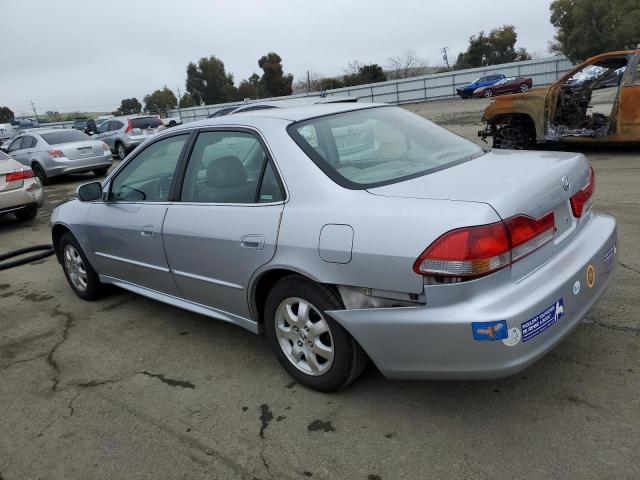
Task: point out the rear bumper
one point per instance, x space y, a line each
29 194
62 166
437 342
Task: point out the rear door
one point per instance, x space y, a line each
629 106
225 225
125 231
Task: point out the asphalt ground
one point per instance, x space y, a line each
127 387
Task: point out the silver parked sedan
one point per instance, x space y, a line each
20 191
54 152
123 134
429 255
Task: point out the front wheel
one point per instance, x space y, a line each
121 151
81 276
488 93
40 173
511 137
313 348
524 88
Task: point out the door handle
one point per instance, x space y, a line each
252 241
147 231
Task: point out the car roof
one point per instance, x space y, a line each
303 112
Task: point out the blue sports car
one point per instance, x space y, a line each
466 91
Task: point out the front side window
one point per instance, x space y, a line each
228 167
115 125
378 146
16 144
28 142
104 127
149 175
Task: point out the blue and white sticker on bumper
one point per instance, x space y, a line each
541 322
610 255
490 330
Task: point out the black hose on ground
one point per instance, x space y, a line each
45 251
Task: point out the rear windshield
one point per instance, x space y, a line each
378 146
64 136
146 122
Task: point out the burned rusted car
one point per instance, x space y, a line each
572 111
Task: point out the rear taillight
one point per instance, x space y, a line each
55 153
19 175
129 126
480 250
580 198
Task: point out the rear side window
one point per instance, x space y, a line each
28 142
229 167
65 136
146 122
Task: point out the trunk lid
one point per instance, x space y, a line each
80 150
8 165
512 183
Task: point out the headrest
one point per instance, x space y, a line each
226 172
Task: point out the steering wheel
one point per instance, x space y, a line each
162 187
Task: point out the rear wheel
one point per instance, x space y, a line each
524 87
100 172
81 276
27 213
312 347
488 93
40 173
121 151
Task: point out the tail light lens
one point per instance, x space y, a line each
580 198
55 153
480 250
19 175
129 126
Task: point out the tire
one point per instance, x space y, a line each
488 93
284 301
27 213
524 88
512 137
101 172
91 289
121 151
41 174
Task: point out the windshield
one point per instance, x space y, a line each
378 146
64 136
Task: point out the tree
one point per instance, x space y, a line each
163 99
6 115
129 106
53 116
250 87
587 27
274 82
187 101
406 65
208 81
360 74
493 49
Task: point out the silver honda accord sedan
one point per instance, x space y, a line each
346 233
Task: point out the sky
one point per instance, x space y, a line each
87 55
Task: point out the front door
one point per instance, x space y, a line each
125 232
225 225
629 107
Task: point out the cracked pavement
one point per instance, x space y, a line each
126 387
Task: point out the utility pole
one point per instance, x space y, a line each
308 84
34 111
179 111
445 57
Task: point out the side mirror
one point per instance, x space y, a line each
89 192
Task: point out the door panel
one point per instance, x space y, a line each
126 241
629 113
213 250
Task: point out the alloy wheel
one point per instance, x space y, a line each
513 138
524 87
488 93
121 152
304 336
74 266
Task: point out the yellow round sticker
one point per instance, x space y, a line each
591 276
